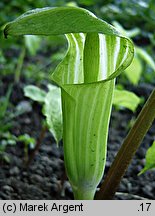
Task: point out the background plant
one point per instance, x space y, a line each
150 161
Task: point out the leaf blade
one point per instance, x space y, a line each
45 22
150 159
127 99
53 112
35 93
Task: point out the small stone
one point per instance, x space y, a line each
25 174
7 188
27 120
39 172
147 190
46 160
24 107
47 185
54 188
4 196
46 148
48 171
14 171
36 178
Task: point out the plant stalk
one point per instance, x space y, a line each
19 65
38 144
128 149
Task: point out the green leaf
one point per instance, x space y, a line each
96 55
45 21
128 33
35 93
127 99
32 43
146 57
134 71
150 159
52 107
53 112
26 139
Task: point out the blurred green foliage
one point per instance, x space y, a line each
141 59
135 16
8 139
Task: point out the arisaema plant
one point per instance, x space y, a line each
96 55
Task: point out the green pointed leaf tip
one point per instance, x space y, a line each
146 57
150 159
126 99
35 93
96 55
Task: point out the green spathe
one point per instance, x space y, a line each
96 55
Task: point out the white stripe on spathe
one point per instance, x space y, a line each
116 51
73 73
103 58
77 60
79 40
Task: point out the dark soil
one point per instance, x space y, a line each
45 177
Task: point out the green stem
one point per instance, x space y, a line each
83 194
128 149
19 65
